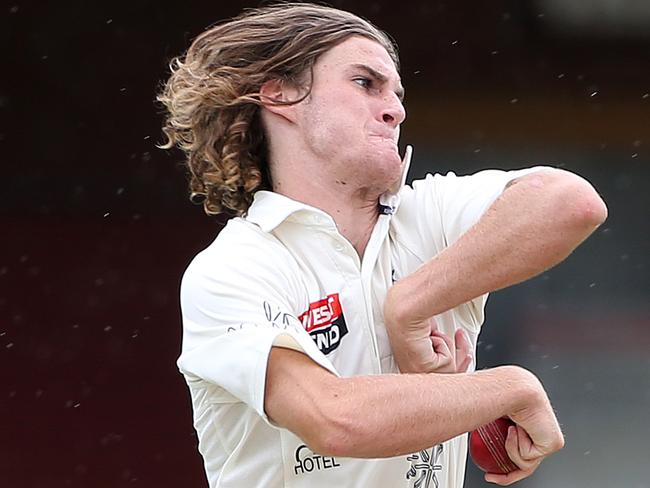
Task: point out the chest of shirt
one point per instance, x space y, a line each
341 307
341 304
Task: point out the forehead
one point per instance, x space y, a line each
359 50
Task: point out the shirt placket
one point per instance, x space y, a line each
341 249
367 267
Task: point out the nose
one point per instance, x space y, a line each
393 112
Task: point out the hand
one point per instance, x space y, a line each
536 436
423 348
453 354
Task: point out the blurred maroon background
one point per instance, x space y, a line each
98 229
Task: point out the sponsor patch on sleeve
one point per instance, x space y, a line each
325 323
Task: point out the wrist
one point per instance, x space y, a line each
394 309
526 391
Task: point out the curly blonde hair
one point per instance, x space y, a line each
212 96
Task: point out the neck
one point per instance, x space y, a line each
354 210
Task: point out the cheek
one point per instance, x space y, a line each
329 127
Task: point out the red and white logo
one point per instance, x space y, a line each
325 323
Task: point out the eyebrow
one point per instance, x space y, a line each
382 78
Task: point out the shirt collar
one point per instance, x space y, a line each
270 209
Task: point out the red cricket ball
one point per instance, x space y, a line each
487 446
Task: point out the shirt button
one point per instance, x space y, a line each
338 246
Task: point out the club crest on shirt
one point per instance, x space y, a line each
325 323
424 465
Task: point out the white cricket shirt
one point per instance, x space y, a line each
283 275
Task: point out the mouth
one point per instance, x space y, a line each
390 139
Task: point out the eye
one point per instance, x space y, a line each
363 82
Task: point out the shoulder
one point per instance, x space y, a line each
240 244
242 256
451 191
437 209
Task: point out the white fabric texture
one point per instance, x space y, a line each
284 276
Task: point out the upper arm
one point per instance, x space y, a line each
236 306
438 209
463 200
564 193
297 396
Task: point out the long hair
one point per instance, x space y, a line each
212 97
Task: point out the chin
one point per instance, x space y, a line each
390 158
384 168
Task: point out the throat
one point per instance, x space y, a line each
357 229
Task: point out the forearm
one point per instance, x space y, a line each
536 223
389 415
399 414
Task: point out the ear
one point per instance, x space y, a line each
279 91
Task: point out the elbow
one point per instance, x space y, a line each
595 212
576 200
351 435
589 209
598 210
330 441
338 429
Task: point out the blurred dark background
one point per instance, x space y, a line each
98 229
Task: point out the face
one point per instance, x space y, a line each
351 120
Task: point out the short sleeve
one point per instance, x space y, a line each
435 211
237 303
438 209
462 200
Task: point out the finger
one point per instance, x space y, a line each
442 355
520 450
507 479
464 363
515 439
463 351
463 345
449 342
527 448
433 325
